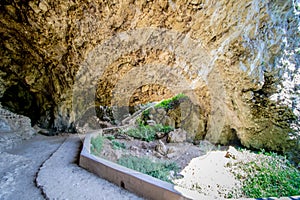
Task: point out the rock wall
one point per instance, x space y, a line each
13 129
61 57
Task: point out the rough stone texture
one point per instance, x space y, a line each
183 115
60 57
178 135
13 128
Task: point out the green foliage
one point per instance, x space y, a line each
97 144
110 137
118 145
146 114
147 132
140 122
162 128
297 6
171 103
270 176
160 170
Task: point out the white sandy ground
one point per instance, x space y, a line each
208 175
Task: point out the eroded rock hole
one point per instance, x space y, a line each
19 99
234 140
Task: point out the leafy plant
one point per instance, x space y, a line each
118 145
146 114
171 103
97 144
147 132
269 176
157 169
162 128
110 137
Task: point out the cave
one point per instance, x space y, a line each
20 100
75 67
57 62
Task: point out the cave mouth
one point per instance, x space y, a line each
19 99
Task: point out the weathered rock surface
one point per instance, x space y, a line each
60 57
13 129
183 114
178 135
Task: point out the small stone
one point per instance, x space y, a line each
134 148
171 150
160 135
34 7
176 136
231 153
161 148
151 122
156 154
43 6
144 145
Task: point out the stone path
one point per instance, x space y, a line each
18 167
51 164
61 178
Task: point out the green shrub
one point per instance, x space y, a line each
147 132
162 128
97 144
160 170
146 114
118 145
171 103
270 176
110 137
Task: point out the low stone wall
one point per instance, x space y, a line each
131 180
136 182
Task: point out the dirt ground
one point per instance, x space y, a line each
202 167
180 153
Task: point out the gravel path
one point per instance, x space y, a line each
61 178
18 167
51 164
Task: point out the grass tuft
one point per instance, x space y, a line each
97 144
157 169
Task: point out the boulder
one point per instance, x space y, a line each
161 148
176 136
13 128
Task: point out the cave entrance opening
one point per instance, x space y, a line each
19 99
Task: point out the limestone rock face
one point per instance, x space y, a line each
183 115
177 136
13 128
60 58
